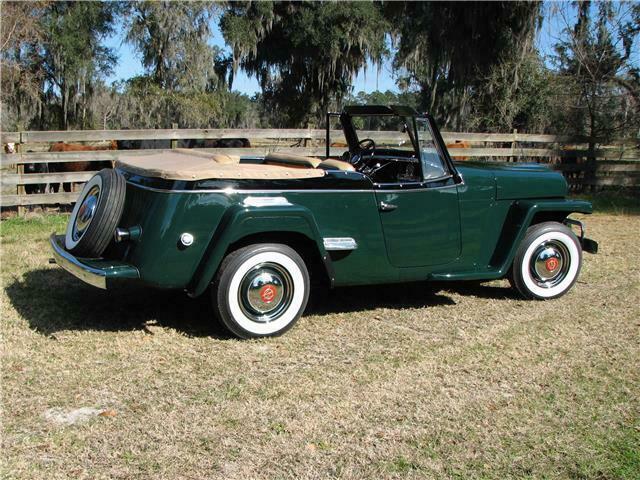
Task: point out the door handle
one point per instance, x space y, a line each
386 207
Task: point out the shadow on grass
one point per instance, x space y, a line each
51 300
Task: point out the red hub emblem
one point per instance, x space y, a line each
552 264
268 293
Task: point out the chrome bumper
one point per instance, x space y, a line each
588 245
90 275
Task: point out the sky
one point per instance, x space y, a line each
368 80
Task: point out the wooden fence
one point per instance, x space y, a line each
614 165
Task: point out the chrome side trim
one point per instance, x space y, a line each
71 264
333 244
421 189
231 191
265 202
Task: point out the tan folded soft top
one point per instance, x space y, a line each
183 164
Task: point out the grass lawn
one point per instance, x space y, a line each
412 381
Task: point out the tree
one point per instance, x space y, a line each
448 48
172 40
20 66
598 71
502 104
304 55
73 56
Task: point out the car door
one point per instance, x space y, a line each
421 220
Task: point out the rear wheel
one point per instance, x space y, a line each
96 214
261 290
547 262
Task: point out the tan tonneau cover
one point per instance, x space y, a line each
183 164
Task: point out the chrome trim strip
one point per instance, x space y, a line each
230 191
333 244
71 264
405 190
265 202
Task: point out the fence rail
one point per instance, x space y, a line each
269 133
608 165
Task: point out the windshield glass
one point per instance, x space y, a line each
388 131
432 164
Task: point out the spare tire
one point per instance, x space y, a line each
96 214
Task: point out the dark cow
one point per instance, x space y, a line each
78 166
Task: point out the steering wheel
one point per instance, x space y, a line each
367 144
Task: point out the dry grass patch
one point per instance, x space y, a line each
452 380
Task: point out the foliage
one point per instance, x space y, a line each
472 65
502 104
140 103
54 58
304 54
595 60
172 40
448 48
20 68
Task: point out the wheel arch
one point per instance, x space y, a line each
293 226
305 246
522 215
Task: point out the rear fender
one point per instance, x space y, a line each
241 221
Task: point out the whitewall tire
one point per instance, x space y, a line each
96 214
261 290
547 262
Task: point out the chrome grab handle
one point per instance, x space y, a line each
386 207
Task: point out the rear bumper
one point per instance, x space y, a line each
97 272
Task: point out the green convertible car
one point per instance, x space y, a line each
257 232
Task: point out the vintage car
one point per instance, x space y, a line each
258 232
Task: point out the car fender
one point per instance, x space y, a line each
521 218
240 221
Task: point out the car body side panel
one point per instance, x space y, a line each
423 229
519 217
352 215
317 216
161 260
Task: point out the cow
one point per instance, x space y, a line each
79 166
184 143
458 144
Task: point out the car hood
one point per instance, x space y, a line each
522 180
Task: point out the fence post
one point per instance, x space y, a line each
174 142
20 189
514 157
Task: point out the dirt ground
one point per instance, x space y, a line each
411 381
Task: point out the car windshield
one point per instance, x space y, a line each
388 131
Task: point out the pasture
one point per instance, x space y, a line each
411 381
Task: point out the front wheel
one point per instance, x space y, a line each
261 290
547 262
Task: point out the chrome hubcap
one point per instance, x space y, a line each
265 292
549 263
86 212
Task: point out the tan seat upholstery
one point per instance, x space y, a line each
331 164
189 165
291 159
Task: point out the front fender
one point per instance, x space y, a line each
241 221
520 219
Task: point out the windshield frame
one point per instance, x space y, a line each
351 136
